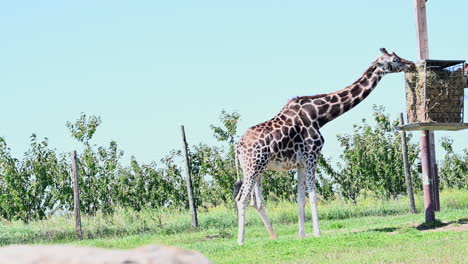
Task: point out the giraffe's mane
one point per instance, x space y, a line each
371 68
307 97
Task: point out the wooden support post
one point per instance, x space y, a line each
425 143
426 177
76 195
193 210
409 183
421 29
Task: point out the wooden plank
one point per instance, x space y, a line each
433 126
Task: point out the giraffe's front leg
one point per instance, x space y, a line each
301 176
310 180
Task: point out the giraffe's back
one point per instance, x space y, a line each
279 143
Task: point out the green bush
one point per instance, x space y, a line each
39 184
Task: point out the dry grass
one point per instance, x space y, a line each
434 95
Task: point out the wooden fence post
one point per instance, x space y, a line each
76 196
409 183
193 210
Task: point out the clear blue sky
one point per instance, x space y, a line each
146 67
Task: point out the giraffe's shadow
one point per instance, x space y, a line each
384 229
437 224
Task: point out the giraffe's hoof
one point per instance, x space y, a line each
240 243
302 235
317 234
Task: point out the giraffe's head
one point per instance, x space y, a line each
390 63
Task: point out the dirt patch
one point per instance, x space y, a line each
450 227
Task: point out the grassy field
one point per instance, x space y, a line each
375 231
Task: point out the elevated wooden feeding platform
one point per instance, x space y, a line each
433 126
434 96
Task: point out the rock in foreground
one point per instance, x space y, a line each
60 254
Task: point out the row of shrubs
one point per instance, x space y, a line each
40 185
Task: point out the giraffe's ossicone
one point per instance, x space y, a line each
292 140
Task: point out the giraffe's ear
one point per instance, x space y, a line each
384 51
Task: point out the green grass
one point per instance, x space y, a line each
373 232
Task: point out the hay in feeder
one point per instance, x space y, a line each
434 95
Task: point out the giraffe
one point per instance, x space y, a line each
292 140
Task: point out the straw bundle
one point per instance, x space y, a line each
434 95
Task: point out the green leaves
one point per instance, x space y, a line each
371 160
28 186
453 170
228 131
39 184
84 128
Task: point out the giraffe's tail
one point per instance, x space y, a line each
236 160
237 189
238 184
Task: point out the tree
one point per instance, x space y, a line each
219 163
84 128
27 186
97 168
453 171
177 194
38 170
12 186
371 159
228 132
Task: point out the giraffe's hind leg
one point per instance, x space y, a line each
241 201
259 204
253 166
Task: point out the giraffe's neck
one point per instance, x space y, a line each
336 103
